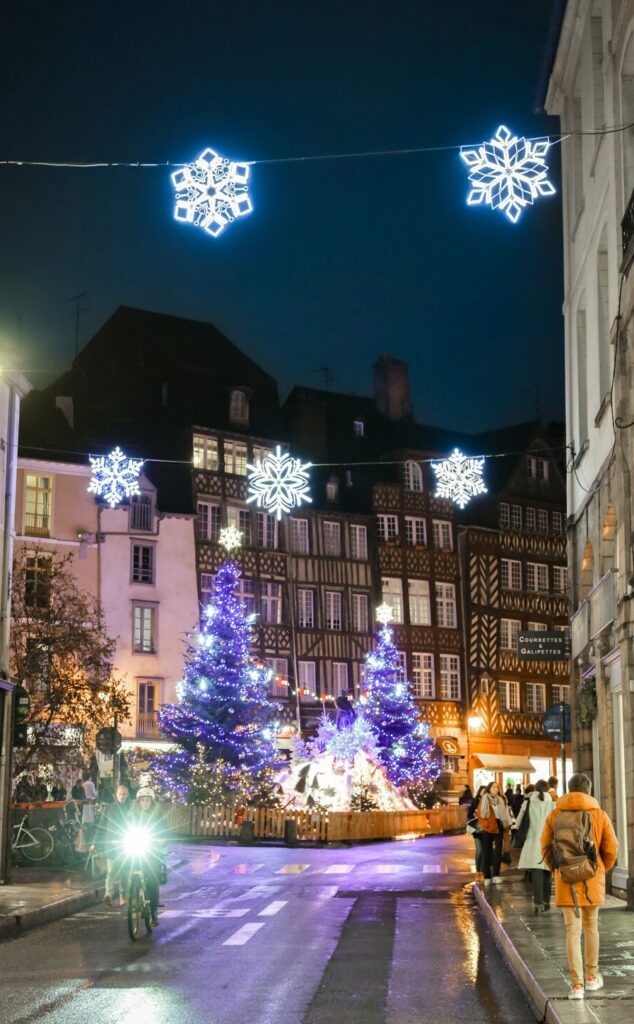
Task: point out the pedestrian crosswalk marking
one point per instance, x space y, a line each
339 869
207 912
246 869
243 934
387 869
292 869
273 908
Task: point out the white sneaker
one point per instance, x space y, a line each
576 992
496 880
594 984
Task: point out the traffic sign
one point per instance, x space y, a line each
552 723
108 741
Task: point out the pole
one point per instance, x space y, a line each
291 601
562 722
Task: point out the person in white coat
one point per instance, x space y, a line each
538 806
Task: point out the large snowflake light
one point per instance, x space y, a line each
211 192
230 537
114 476
508 173
279 483
459 478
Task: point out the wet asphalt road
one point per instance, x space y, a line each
378 934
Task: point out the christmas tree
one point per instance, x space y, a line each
403 747
222 725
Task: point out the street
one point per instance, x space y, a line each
377 934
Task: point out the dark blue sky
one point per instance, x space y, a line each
341 260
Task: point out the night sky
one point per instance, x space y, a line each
341 259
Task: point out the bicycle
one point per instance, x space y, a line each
137 843
34 844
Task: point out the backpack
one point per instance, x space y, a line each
573 851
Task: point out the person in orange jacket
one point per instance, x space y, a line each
591 894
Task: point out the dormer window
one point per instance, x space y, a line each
332 489
238 407
412 476
358 428
536 468
141 512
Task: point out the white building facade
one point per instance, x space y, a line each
591 89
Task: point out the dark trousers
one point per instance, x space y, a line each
479 852
492 852
541 880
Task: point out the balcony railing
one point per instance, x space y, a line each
602 601
580 630
147 725
37 524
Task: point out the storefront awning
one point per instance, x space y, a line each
506 763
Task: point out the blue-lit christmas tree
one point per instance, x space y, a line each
222 725
404 749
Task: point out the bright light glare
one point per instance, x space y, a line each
137 841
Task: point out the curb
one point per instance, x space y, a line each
15 924
542 1007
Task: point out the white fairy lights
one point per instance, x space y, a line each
459 478
279 483
114 477
508 173
211 192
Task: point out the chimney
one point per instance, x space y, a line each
391 387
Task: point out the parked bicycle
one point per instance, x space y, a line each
33 844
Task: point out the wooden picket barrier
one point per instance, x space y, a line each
335 826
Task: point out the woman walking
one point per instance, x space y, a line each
475 830
538 806
494 817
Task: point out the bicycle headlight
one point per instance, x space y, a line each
137 841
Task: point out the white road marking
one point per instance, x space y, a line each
207 912
243 934
387 869
340 869
292 869
246 869
273 908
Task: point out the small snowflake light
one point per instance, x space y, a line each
508 173
211 192
384 614
114 477
459 478
279 483
230 538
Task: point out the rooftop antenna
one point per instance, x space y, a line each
79 309
328 377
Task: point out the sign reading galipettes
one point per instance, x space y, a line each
535 645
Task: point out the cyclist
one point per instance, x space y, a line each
110 830
145 813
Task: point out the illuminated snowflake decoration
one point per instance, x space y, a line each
384 614
114 477
508 173
279 483
211 192
230 538
459 478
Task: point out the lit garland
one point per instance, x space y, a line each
211 192
508 173
459 478
114 477
279 483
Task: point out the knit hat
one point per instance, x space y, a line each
146 791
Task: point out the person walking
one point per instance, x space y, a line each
517 800
579 821
538 806
553 787
474 828
494 817
110 830
466 797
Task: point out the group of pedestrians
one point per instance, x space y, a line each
570 837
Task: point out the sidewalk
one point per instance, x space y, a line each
534 948
35 896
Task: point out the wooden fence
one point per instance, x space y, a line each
336 826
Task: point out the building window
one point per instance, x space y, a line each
238 407
37 582
267 530
38 664
558 523
443 538
509 632
141 512
536 577
333 610
451 763
358 542
392 594
400 675
332 539
531 520
560 579
509 695
332 489
510 574
516 517
505 515
260 453
358 428
387 527
412 476
446 605
208 523
423 676
142 563
144 628
536 698
339 677
206 588
305 609
536 468
419 605
146 697
299 536
449 677
561 693
235 457
307 678
360 613
241 519
271 594
415 531
246 594
38 499
205 452
278 686
537 627
542 520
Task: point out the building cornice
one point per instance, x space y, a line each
53 466
561 82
